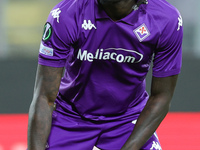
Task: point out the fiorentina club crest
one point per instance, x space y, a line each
142 32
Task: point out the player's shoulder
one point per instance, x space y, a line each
163 10
68 10
72 5
166 17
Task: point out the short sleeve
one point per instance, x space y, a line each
168 55
58 37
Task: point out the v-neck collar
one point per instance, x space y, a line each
101 14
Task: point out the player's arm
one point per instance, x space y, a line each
40 114
157 107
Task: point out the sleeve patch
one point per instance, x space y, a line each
46 50
47 31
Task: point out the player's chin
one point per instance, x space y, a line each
109 1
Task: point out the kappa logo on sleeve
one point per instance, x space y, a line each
56 13
180 22
141 32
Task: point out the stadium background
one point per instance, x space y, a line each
21 27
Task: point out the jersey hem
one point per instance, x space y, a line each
166 74
51 63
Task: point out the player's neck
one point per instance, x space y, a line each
118 9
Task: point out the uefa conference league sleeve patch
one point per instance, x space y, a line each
46 36
47 32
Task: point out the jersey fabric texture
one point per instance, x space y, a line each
106 62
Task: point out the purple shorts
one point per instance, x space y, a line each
71 132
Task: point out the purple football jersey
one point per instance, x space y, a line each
107 61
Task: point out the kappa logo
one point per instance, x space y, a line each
56 13
88 25
180 22
155 146
141 32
